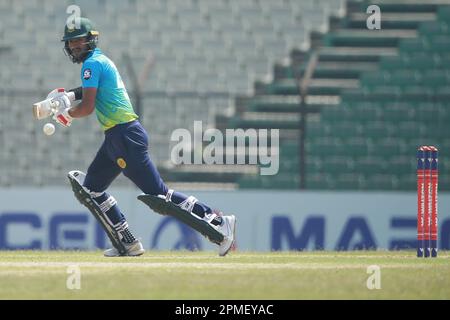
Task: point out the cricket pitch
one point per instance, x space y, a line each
180 275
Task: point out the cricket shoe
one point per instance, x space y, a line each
227 228
133 249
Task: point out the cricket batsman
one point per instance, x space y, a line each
124 150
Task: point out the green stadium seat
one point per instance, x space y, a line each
345 129
348 181
397 112
289 164
319 181
378 129
437 132
427 112
433 28
362 38
413 143
364 113
399 165
391 63
237 122
385 90
318 129
313 164
444 182
337 164
336 113
374 78
289 149
249 182
407 182
267 105
353 96
442 94
356 147
370 165
409 129
440 43
388 147
443 13
444 62
381 182
284 86
435 78
421 62
408 45
285 72
404 77
415 92
432 38
324 146
444 161
445 144
280 181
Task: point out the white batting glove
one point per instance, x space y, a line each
62 115
55 93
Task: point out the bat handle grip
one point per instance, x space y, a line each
54 105
71 95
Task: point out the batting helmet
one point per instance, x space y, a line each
85 28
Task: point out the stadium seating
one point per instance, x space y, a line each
373 98
205 52
367 140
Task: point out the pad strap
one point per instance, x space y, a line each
209 217
108 204
121 226
188 204
169 195
93 194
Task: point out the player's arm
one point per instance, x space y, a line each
89 80
78 93
87 104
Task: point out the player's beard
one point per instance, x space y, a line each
80 52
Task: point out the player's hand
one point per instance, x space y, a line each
62 115
55 93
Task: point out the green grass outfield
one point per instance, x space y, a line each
240 275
